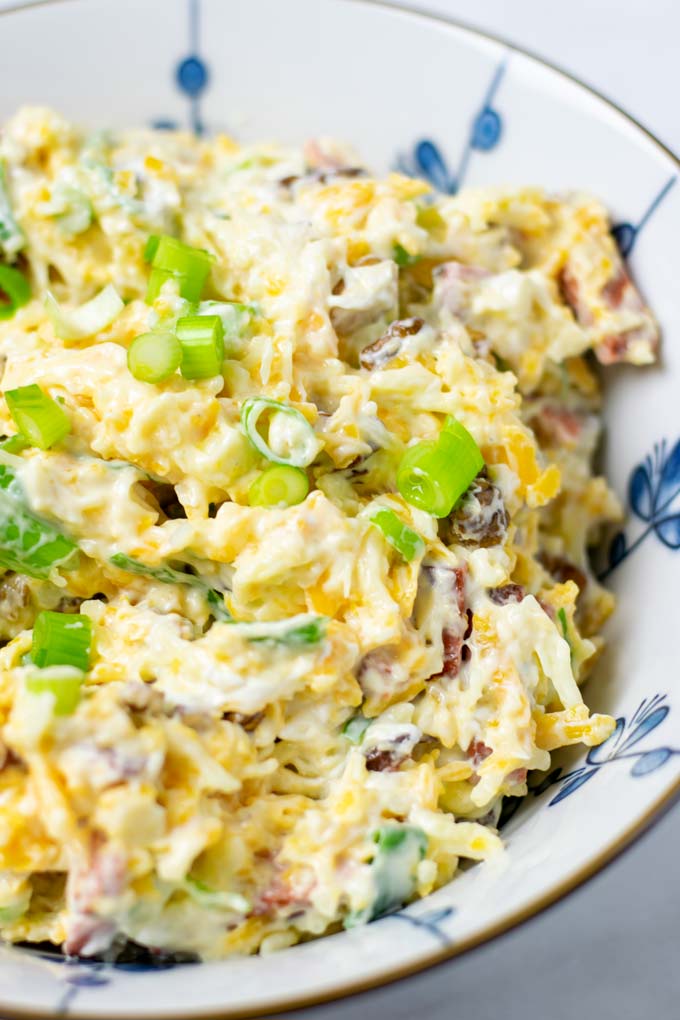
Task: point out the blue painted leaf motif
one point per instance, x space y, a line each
437 916
624 235
486 130
432 166
668 530
669 483
650 761
617 550
572 785
648 723
640 493
87 979
608 749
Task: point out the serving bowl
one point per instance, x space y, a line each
444 102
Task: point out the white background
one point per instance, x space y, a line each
611 951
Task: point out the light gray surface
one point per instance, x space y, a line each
610 950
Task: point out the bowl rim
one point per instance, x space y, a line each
626 840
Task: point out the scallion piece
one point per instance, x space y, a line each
29 545
290 438
12 237
433 475
63 682
15 291
404 258
399 850
151 247
279 486
76 214
296 632
62 639
173 260
355 728
202 341
87 320
405 540
39 418
153 357
167 575
14 444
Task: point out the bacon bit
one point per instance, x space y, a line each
452 285
478 752
101 875
381 660
454 633
280 893
480 520
557 426
248 722
619 294
562 570
516 777
378 760
506 593
390 343
571 292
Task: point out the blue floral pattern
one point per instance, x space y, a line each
431 922
620 746
427 160
192 76
626 234
654 497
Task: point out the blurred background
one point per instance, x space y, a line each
611 949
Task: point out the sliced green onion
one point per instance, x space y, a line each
399 850
29 545
404 258
77 212
167 575
87 320
215 899
434 475
297 632
173 260
202 340
15 291
290 437
153 357
62 639
14 444
40 419
405 540
63 682
12 237
151 247
234 315
280 485
355 728
562 617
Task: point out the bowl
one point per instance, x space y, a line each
454 106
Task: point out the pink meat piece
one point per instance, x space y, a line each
453 284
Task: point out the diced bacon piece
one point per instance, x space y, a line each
620 325
506 593
386 347
480 519
478 752
454 282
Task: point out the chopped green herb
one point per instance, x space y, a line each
404 258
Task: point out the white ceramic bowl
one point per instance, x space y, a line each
454 106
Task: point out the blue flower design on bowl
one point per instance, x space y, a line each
427 160
620 746
654 498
